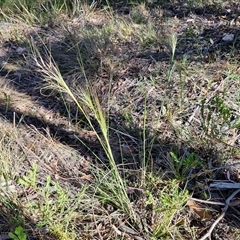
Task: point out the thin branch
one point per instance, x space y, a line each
207 201
208 234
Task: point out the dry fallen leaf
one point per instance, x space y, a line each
201 211
87 177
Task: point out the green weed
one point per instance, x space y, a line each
30 181
216 116
182 166
167 203
18 234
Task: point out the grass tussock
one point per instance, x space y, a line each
115 118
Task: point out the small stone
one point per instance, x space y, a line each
20 50
228 37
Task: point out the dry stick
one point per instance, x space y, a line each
235 203
206 201
192 116
208 234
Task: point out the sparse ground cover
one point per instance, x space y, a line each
119 120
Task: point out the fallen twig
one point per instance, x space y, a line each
232 204
225 185
208 234
207 201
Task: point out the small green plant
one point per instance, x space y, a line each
139 14
30 181
171 201
216 116
191 32
52 210
7 99
147 35
181 166
18 234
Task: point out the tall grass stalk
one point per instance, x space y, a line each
144 140
86 98
173 44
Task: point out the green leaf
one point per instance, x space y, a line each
13 236
18 234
